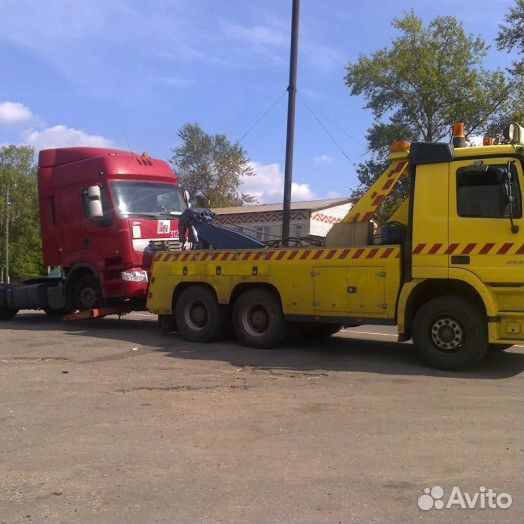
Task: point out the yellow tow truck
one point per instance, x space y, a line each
448 271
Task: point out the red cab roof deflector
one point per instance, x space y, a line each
65 155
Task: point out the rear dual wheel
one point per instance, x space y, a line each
258 319
198 315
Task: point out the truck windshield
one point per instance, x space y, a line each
153 199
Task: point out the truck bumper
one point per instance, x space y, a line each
114 287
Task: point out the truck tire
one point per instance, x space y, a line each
499 347
450 333
87 293
199 317
258 320
316 330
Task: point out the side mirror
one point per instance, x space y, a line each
508 189
94 202
477 167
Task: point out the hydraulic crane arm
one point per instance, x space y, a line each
203 233
364 209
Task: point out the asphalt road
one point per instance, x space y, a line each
111 421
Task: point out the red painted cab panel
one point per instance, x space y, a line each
141 204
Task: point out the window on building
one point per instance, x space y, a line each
263 233
483 192
298 230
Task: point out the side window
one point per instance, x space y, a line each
484 191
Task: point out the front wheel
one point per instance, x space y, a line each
87 293
258 319
450 333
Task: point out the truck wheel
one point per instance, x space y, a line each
316 330
450 333
499 347
199 317
258 320
87 294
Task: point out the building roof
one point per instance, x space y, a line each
309 205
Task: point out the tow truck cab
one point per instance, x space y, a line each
103 213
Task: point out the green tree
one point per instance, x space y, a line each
18 176
429 77
210 167
511 39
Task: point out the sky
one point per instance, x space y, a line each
128 74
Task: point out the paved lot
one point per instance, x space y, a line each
110 421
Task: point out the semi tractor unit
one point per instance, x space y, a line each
103 215
448 270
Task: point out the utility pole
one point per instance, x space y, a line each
6 238
292 92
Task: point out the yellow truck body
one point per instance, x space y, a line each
459 245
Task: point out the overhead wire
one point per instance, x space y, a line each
325 129
262 116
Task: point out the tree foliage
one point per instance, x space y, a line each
18 175
429 77
511 39
210 167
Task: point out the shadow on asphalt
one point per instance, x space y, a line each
338 353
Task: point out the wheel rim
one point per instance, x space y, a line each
196 315
447 334
88 297
255 320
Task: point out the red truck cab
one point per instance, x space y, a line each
103 213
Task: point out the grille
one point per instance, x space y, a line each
164 244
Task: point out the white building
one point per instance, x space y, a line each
264 221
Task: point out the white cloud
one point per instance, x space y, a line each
41 137
323 159
333 194
256 36
324 57
62 136
14 113
267 185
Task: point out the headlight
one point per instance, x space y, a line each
134 275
